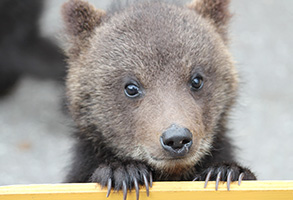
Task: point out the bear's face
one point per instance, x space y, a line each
144 71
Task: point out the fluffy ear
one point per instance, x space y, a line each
80 20
217 11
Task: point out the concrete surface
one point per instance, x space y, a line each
263 47
35 135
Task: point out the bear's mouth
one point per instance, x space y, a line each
172 165
168 159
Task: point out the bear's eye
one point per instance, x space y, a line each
196 82
131 90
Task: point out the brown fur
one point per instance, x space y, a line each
80 20
216 11
160 46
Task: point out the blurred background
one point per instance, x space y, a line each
35 131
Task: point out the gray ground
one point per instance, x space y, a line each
34 133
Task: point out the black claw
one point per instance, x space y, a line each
229 179
124 188
146 184
240 178
151 179
218 180
136 188
109 186
208 178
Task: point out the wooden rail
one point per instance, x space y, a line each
249 190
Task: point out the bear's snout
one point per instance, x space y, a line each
176 140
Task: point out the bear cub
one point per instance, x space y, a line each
150 86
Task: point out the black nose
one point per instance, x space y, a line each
176 140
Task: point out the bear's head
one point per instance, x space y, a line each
152 82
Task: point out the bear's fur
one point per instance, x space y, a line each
158 46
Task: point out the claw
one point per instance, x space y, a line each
208 178
136 188
124 188
151 179
195 179
109 186
146 184
229 179
240 178
218 180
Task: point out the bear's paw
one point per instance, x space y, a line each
227 172
123 177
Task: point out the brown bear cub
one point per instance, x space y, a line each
150 86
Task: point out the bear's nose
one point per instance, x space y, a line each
176 140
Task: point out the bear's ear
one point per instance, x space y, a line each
80 19
217 11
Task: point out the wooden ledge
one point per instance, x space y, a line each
273 190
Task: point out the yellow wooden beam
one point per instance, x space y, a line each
249 190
